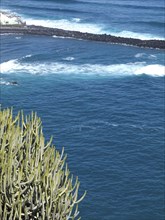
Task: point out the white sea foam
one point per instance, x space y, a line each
141 55
142 36
29 55
153 70
138 55
6 34
73 24
6 11
3 82
54 36
17 38
137 68
76 24
152 56
76 19
69 58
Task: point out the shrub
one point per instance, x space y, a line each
35 182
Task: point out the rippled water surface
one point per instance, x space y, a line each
104 103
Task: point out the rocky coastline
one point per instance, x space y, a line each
45 31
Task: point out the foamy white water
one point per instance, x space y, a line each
76 25
65 24
142 36
3 82
69 58
144 55
153 70
137 68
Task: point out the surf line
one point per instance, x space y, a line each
40 30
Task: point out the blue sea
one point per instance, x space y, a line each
105 103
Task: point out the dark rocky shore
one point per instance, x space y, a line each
39 30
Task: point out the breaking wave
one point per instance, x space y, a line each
3 82
136 35
144 55
137 68
75 24
8 83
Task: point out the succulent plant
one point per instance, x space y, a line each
35 182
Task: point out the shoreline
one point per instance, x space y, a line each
45 31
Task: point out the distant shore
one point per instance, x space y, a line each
13 24
39 30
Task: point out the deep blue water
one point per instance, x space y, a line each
104 103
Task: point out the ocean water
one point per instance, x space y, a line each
104 103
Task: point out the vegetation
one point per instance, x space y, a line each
35 182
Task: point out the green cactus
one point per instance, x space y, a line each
35 182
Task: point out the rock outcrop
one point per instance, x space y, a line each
39 30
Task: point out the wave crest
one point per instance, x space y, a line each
76 24
137 68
